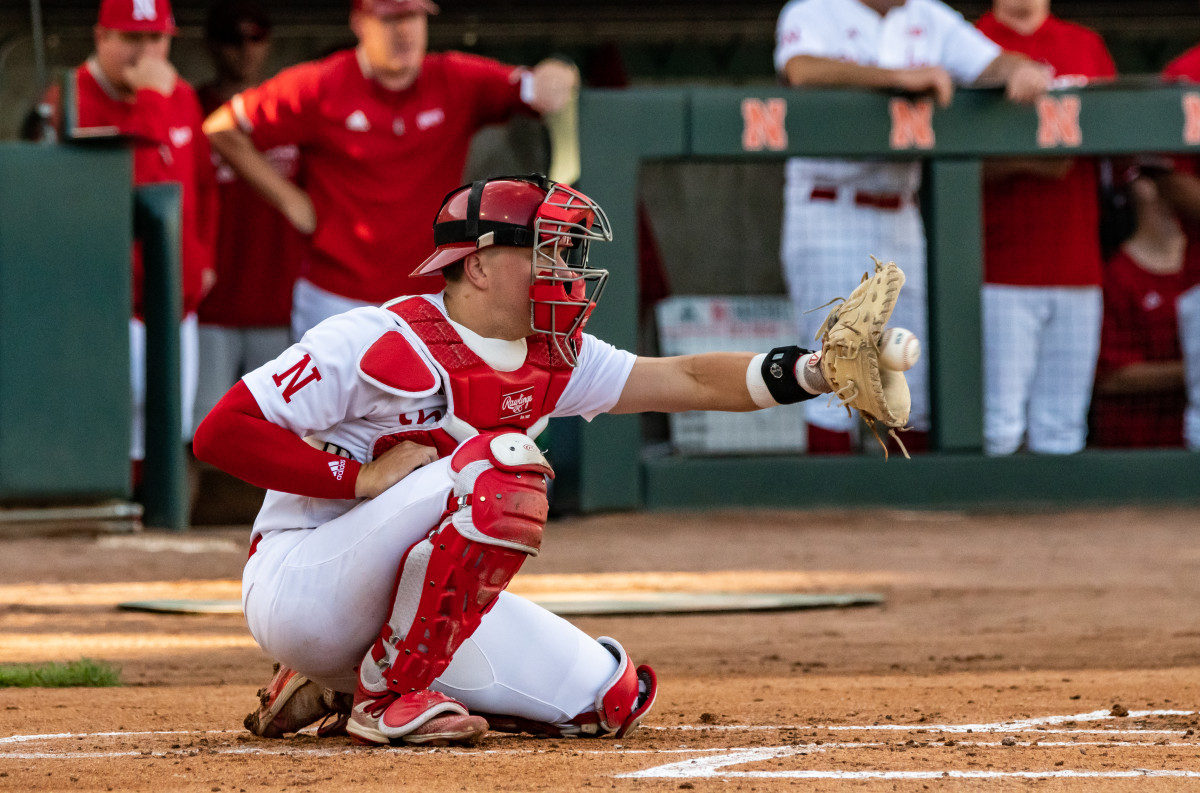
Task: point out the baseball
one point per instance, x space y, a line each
899 349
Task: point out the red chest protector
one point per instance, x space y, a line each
478 398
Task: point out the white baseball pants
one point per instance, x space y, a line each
188 367
312 305
1187 309
1040 346
826 247
315 600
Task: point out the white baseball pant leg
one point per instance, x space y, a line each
1040 346
312 305
227 353
189 355
1187 309
826 248
315 600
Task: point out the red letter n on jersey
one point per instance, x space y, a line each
912 124
763 125
296 377
1058 122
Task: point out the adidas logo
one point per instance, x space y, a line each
357 121
337 468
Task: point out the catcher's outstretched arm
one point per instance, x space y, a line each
728 381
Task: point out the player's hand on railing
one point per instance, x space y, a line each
390 467
927 80
1027 82
151 72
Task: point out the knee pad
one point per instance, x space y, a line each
621 704
499 495
448 581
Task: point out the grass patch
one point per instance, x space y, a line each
82 673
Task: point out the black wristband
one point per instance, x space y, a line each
779 373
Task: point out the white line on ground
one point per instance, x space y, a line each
1000 726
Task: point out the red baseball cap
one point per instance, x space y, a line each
137 16
382 8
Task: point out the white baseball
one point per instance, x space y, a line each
899 349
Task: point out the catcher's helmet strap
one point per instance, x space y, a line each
453 231
473 200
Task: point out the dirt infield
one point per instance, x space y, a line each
1048 651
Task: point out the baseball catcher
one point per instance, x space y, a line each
406 488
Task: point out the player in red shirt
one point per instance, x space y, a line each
1041 296
383 131
129 88
244 320
1140 395
1182 189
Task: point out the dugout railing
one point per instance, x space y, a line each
66 219
607 465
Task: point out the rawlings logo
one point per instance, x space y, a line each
516 403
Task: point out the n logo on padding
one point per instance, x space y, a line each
763 125
296 377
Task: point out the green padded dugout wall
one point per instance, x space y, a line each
620 130
66 232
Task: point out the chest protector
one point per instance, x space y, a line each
478 398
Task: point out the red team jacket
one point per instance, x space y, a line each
1043 232
1140 325
377 163
258 250
169 146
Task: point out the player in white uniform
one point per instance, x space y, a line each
837 211
406 492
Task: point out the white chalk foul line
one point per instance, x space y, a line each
715 768
1000 726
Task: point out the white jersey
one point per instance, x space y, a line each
917 33
315 389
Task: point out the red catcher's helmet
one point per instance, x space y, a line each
555 221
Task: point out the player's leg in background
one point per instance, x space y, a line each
260 345
902 240
312 305
526 668
220 350
823 258
1066 371
1188 312
189 372
1012 320
137 386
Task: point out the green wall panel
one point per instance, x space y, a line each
65 240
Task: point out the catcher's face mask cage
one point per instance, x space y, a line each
557 222
565 289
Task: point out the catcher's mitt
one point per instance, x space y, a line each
849 340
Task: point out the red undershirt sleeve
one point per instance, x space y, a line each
237 438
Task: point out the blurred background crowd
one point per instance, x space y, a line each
1090 263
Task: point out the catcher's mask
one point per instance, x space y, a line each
555 221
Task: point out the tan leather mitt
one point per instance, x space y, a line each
849 341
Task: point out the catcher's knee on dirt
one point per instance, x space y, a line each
447 582
621 704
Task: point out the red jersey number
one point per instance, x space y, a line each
296 377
